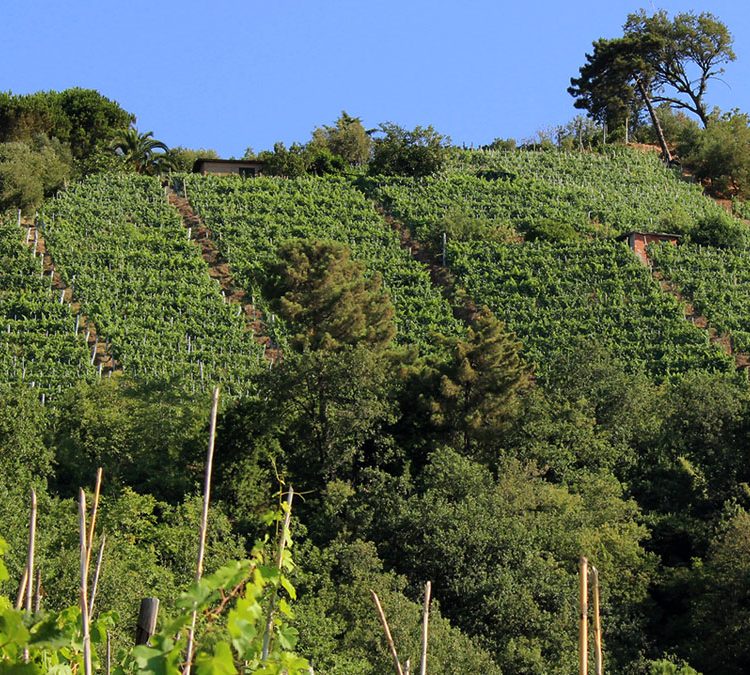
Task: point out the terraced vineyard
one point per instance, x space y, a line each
39 343
716 280
556 296
126 254
596 194
251 218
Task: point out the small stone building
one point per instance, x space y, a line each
247 168
639 241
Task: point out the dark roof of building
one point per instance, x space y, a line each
241 162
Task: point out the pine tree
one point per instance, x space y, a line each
326 299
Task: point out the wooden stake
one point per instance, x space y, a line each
84 583
30 556
583 637
147 615
425 627
38 591
204 522
279 563
598 660
387 631
97 572
108 662
94 509
22 588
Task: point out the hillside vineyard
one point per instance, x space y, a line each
41 345
124 252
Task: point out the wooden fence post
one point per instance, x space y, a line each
583 633
598 660
146 625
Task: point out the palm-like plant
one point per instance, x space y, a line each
142 152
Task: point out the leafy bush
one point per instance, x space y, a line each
720 230
399 152
720 154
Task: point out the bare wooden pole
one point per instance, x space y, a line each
279 564
583 637
204 523
598 659
84 583
425 627
92 527
22 588
97 572
29 576
387 631
38 591
30 554
108 661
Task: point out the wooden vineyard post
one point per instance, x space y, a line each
387 631
425 627
30 557
84 584
38 590
30 562
598 659
204 523
583 636
97 572
146 625
22 588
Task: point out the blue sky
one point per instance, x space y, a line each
230 74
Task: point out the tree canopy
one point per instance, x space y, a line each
656 60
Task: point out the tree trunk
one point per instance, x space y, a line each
655 121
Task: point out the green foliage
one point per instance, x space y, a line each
502 555
720 230
656 60
325 298
553 296
549 230
146 286
253 219
151 437
81 118
677 50
399 152
340 631
39 345
141 152
720 609
719 155
670 667
183 159
234 602
25 458
347 139
478 393
716 280
291 163
326 410
675 125
593 415
595 194
30 171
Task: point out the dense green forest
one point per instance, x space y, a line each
449 356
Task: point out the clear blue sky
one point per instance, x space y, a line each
228 74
